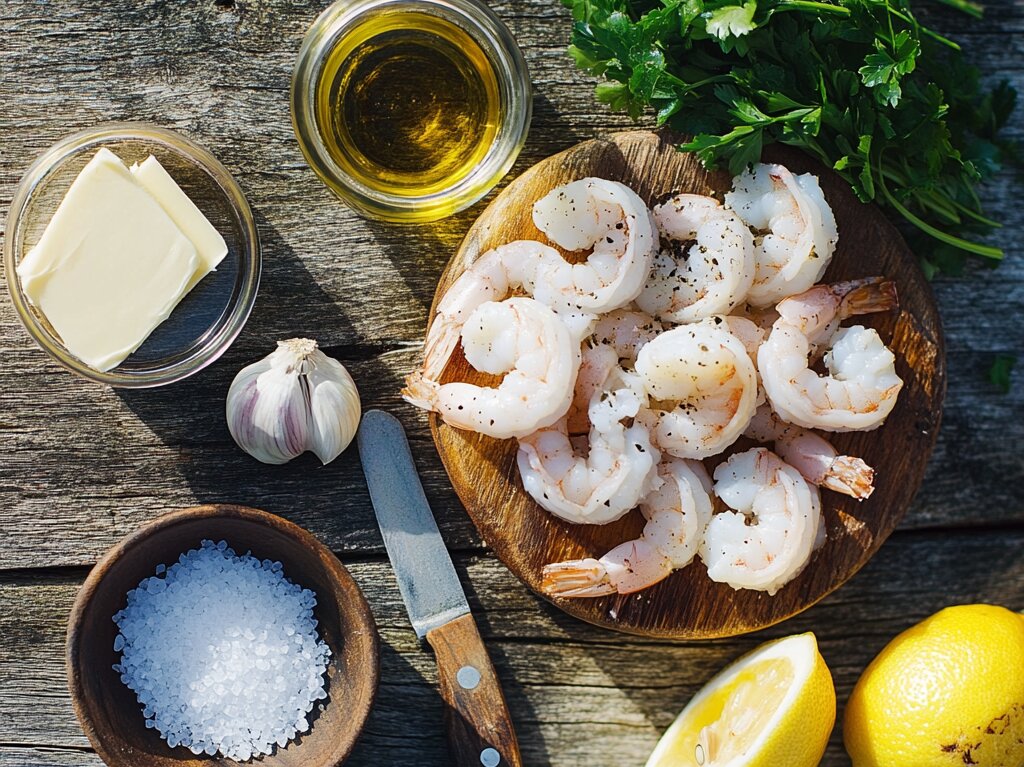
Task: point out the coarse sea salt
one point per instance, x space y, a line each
222 652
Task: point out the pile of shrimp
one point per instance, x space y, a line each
687 327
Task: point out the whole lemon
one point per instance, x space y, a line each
948 691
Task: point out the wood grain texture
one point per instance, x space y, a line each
475 713
81 466
109 712
219 72
579 695
688 604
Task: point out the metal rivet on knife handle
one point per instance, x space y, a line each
479 727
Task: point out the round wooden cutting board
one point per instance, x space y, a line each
687 604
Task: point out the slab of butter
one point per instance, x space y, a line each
208 241
110 266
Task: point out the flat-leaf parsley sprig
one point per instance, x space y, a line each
859 84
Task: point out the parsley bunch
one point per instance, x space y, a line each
860 84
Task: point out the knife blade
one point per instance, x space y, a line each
426 576
479 727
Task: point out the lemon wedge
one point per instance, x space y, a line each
774 706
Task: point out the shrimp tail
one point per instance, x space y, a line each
868 296
851 476
442 338
816 459
576 578
420 391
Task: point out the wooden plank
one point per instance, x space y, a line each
579 695
41 756
81 459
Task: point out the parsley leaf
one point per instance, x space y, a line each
731 20
861 85
999 373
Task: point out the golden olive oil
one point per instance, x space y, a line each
408 104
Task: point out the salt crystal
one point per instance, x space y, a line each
207 646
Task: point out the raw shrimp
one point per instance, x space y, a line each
626 331
769 537
614 222
797 230
616 339
704 388
813 456
861 386
677 514
601 483
492 277
750 335
818 311
529 343
713 276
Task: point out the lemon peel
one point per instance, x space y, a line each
774 706
948 691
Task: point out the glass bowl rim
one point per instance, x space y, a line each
228 326
513 75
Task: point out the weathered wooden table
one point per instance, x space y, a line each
80 465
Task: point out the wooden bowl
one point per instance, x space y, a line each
108 711
688 604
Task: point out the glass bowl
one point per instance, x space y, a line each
210 316
344 18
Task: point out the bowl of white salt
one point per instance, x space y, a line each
221 635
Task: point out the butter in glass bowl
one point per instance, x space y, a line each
132 277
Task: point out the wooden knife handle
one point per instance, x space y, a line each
480 732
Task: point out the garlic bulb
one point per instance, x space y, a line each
293 400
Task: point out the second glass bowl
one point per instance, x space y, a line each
347 17
210 316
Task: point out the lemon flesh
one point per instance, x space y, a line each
948 691
774 706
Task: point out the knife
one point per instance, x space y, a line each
479 727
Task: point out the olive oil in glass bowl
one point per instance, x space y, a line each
410 110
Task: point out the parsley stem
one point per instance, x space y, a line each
957 242
925 30
977 10
937 205
973 214
809 5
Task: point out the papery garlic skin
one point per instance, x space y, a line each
293 400
334 406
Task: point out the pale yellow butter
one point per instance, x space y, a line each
110 266
208 242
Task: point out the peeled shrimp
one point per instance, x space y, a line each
861 386
713 276
607 479
616 340
813 456
614 222
768 538
492 277
750 335
626 331
798 230
704 388
677 514
818 311
524 340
